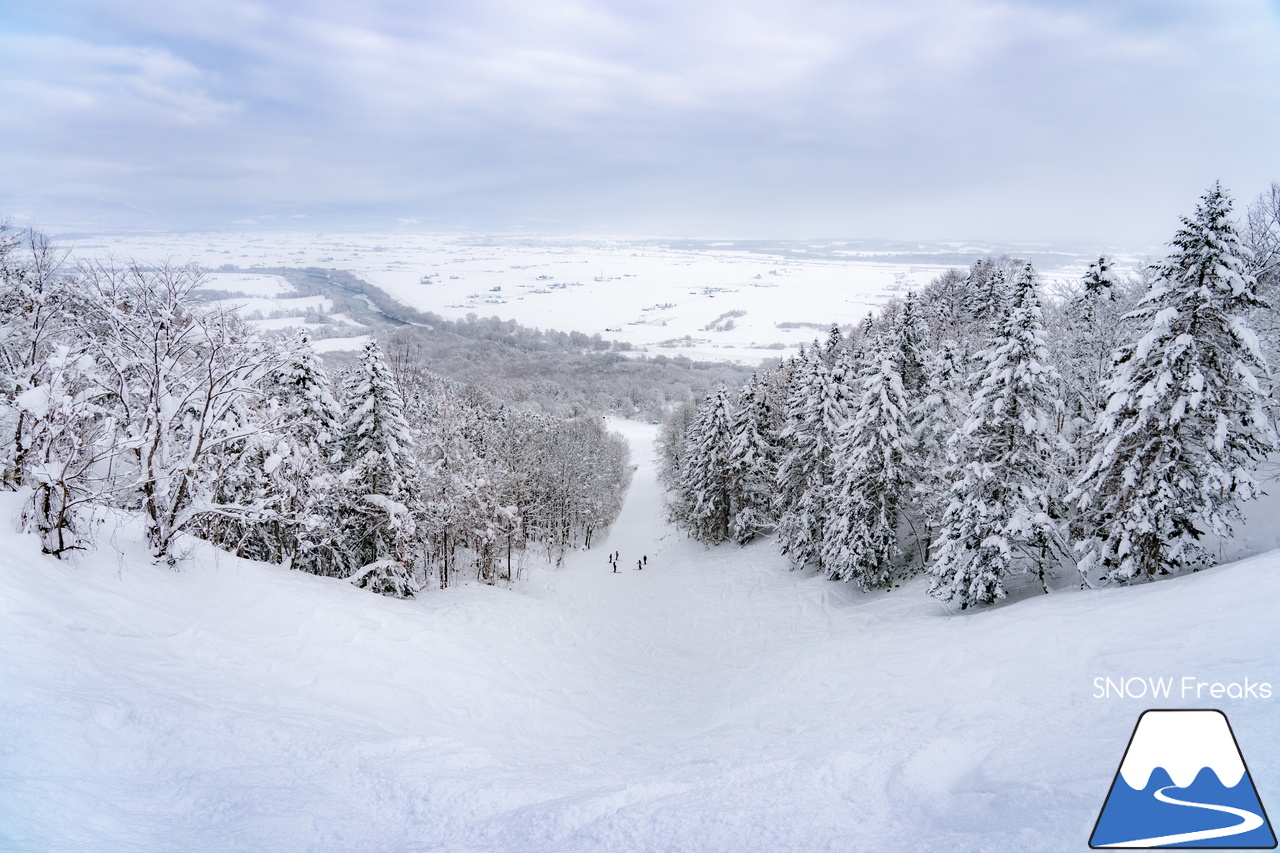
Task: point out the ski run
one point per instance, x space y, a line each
714 701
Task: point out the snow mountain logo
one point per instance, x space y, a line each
1183 783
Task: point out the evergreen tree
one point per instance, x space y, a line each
305 393
1099 285
1185 423
299 472
941 410
908 337
819 405
376 441
752 461
706 476
876 465
273 487
1005 502
943 307
987 289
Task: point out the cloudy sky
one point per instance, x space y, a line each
1089 121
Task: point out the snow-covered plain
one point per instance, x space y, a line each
720 301
713 701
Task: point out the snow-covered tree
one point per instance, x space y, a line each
942 407
752 463
1261 237
305 396
1185 423
944 308
377 480
1089 326
513 443
582 475
669 449
36 304
179 380
1003 517
988 292
461 506
68 437
1099 285
277 489
706 479
819 404
876 463
907 335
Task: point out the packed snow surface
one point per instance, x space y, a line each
713 701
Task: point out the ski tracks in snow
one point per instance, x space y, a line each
711 701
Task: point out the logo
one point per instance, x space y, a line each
1183 783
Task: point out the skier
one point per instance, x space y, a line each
639 565
646 559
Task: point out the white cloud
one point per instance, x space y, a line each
735 113
54 77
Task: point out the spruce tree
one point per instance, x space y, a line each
751 464
1099 286
908 338
941 409
301 479
706 475
818 404
876 465
1005 503
1185 423
379 472
987 292
302 387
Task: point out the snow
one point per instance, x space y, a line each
35 400
298 304
250 284
661 296
713 701
352 344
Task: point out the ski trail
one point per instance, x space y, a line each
713 701
1249 821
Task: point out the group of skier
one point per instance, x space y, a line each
616 556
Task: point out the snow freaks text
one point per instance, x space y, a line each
1178 687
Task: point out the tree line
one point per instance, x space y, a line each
123 393
561 373
987 434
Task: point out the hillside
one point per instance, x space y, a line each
712 701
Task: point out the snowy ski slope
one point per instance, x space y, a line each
712 702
